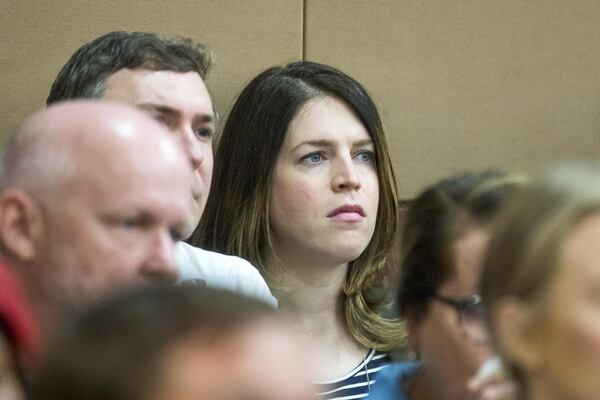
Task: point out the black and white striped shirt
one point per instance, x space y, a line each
357 383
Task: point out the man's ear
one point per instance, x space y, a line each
21 225
519 334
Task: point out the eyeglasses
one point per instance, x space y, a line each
470 316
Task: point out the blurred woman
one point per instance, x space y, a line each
444 236
303 188
540 285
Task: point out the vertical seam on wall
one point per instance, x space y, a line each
304 30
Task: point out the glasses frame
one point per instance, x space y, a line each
461 306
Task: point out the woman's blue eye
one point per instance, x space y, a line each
366 156
312 157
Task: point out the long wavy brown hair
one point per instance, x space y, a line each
236 219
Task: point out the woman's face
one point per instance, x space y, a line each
449 356
325 188
566 347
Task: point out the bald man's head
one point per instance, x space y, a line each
94 195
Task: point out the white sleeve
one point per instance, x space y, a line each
221 271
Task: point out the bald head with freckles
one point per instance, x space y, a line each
94 196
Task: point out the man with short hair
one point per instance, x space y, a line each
164 77
93 198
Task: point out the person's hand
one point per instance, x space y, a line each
491 382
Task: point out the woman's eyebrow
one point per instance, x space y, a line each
362 142
316 143
331 143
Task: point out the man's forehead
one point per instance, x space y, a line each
178 90
128 193
146 158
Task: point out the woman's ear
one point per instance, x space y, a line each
21 225
518 333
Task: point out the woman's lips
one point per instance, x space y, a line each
347 213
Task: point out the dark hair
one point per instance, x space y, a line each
432 224
85 73
113 350
236 219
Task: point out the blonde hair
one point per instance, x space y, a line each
525 245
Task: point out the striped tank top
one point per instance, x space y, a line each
357 383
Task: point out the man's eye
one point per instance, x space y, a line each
135 222
131 222
203 132
162 119
312 158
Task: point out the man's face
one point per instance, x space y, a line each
182 103
116 224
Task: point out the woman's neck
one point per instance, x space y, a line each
310 297
310 300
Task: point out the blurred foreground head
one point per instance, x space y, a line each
540 284
165 343
93 196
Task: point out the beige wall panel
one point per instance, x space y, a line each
470 84
39 36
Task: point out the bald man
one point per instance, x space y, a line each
94 196
164 77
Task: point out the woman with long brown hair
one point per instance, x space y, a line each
304 189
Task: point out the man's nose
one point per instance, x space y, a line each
192 147
160 264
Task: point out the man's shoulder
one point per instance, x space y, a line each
211 262
221 271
